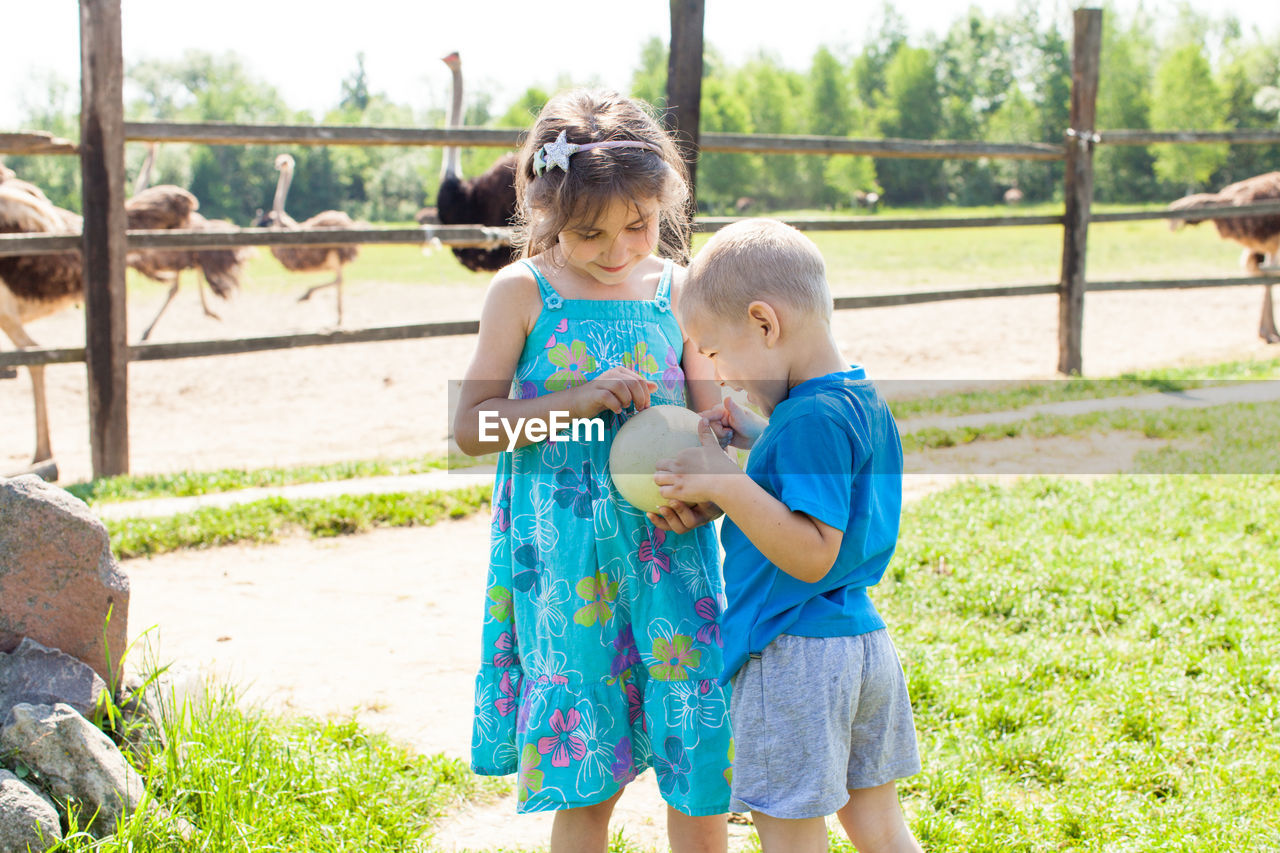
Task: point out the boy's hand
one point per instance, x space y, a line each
699 474
615 389
743 425
680 517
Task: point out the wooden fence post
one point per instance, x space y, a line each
102 176
684 85
1086 51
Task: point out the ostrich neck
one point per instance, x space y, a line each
282 190
452 166
144 174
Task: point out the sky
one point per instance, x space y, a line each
505 46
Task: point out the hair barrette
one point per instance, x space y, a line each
556 154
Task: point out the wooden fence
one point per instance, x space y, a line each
105 240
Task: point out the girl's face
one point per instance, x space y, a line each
608 249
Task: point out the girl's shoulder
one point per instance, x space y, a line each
513 290
678 276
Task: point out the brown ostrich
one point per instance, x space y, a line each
1260 235
35 286
171 207
308 258
487 199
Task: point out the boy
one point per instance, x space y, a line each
822 722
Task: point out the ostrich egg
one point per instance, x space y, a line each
658 432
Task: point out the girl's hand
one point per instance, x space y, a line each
615 389
744 424
680 517
699 474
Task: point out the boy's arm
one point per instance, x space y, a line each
795 542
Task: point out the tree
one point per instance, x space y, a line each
1185 98
649 81
1247 71
911 109
723 178
355 88
1125 172
56 111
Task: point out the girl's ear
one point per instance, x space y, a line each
764 319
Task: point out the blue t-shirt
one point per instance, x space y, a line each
832 451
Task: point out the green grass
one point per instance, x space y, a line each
246 781
1229 439
268 520
1093 666
129 487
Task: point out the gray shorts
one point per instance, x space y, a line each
816 716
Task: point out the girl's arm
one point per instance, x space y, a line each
510 308
699 373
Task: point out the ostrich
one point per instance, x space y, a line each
35 286
1260 235
308 258
487 199
1013 196
170 207
867 199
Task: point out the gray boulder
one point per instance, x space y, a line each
38 675
58 578
28 821
75 761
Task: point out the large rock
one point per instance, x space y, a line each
38 675
28 821
75 761
58 579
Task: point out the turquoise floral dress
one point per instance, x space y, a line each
601 633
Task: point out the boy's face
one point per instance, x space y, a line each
743 358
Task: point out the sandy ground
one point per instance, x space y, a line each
385 625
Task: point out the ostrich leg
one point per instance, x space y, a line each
1267 325
22 340
173 291
337 282
208 312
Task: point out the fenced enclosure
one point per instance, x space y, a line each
104 240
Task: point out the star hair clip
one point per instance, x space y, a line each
556 154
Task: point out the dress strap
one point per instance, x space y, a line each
662 296
550 299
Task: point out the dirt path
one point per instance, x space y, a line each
385 625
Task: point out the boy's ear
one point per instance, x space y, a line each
764 318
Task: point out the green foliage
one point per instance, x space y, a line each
911 108
234 778
1186 96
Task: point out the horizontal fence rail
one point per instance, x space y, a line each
226 133
36 142
219 133
466 236
1157 137
453 236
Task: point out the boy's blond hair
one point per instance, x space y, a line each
757 259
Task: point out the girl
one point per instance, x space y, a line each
601 636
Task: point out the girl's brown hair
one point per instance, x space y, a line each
555 200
